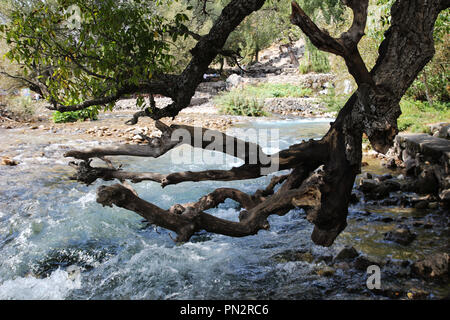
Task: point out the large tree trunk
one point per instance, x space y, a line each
323 171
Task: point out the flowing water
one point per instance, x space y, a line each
56 242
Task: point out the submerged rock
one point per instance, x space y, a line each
326 271
362 263
348 253
293 255
401 236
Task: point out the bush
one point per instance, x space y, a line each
73 116
240 106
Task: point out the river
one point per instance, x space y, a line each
56 242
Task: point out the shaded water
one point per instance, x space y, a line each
49 224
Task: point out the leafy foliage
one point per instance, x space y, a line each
432 84
262 29
314 60
79 49
90 113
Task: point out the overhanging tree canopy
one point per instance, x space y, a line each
121 49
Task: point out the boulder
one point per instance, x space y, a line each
234 81
427 182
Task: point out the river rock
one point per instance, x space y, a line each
427 182
7 161
348 253
433 205
373 189
354 199
367 175
326 258
367 185
385 219
362 263
401 236
392 185
326 271
233 81
434 266
410 166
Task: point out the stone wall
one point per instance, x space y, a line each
427 158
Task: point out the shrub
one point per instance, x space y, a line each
241 106
73 116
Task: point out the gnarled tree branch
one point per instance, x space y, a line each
323 171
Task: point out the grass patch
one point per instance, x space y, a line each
249 101
416 115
